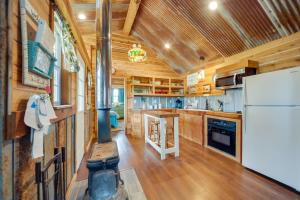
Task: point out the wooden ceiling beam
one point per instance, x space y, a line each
64 7
131 14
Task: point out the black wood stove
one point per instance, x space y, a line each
104 182
104 177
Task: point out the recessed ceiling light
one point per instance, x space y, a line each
81 16
167 46
213 5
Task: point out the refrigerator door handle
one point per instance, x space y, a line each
234 79
245 91
244 120
245 105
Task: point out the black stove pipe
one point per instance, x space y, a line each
103 65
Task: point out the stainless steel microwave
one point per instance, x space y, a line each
233 79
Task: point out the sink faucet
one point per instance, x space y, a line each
207 107
221 105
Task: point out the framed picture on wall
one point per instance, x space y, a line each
206 88
37 60
192 79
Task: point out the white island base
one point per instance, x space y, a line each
162 149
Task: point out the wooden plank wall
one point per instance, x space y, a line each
18 166
4 44
275 55
21 92
153 66
279 54
208 80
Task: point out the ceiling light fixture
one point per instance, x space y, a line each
81 16
167 46
137 54
213 5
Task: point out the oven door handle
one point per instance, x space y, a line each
221 128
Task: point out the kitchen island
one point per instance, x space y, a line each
160 124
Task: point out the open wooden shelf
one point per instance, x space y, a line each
16 127
177 87
161 86
157 86
158 95
142 84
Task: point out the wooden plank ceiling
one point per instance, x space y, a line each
192 30
87 26
153 66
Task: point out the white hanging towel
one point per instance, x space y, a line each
46 112
30 117
39 112
37 143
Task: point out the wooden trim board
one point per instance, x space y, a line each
70 186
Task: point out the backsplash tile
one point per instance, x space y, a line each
154 102
232 100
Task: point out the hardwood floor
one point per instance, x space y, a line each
197 174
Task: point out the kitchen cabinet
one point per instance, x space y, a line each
136 121
191 126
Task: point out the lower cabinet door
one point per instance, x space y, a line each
192 127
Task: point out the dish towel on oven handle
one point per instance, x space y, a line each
39 112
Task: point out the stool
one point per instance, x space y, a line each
169 133
154 131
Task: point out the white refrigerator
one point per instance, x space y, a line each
271 123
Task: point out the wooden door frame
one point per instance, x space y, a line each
82 112
5 63
125 98
125 104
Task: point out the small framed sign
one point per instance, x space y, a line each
192 79
37 61
206 88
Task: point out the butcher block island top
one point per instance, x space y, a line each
162 114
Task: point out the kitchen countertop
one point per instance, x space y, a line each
211 112
195 111
161 114
149 110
